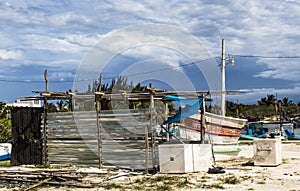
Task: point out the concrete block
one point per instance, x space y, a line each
184 158
267 152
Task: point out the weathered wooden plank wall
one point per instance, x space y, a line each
123 138
65 144
73 139
26 136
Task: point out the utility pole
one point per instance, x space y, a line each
223 105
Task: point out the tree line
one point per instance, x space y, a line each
266 107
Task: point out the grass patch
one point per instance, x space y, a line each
245 177
214 185
163 187
285 161
205 177
111 186
43 166
183 183
10 186
163 183
5 163
164 178
231 179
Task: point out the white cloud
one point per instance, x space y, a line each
60 33
61 75
285 69
69 19
8 13
10 54
53 44
83 39
163 54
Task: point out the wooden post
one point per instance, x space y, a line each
146 150
202 124
151 127
98 96
46 80
100 83
280 118
168 127
72 102
44 149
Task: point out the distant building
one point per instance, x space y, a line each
23 102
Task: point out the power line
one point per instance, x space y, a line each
106 78
148 72
270 57
32 81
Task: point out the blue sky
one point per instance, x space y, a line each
58 35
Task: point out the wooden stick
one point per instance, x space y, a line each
146 150
38 184
50 183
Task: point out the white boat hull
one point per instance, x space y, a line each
222 132
218 129
5 151
193 135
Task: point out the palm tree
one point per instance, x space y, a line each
51 108
269 100
60 104
286 101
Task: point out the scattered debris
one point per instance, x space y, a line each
216 170
27 178
249 163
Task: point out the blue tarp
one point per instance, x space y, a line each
192 107
4 157
183 100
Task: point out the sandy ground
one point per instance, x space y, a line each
237 176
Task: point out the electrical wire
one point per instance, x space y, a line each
269 57
153 71
107 78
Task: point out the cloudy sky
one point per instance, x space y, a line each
58 35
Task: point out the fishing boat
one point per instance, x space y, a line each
5 151
262 130
218 129
221 131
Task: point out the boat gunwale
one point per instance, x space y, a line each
213 133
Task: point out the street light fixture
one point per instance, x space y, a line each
231 61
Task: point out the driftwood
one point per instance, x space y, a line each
38 184
82 185
40 177
32 178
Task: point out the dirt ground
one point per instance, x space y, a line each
240 174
